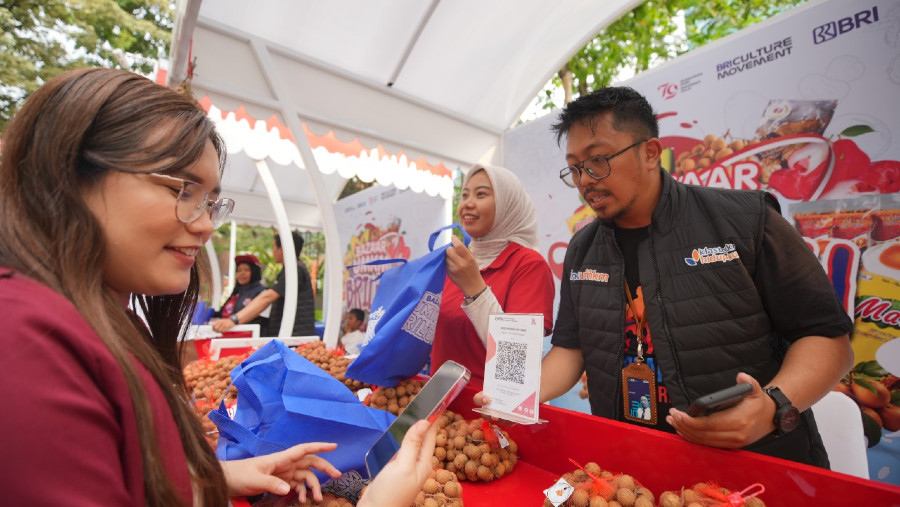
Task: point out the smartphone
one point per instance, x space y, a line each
719 400
434 397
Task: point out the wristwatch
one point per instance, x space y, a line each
787 417
234 318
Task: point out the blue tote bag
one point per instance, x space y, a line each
403 318
285 400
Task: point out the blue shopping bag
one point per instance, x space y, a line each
285 400
403 318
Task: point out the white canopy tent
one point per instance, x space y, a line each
439 80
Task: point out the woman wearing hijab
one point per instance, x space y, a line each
248 278
501 271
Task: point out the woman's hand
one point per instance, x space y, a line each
280 472
463 269
402 478
222 325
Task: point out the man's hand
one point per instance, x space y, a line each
280 472
732 428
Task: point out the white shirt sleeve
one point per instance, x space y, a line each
480 310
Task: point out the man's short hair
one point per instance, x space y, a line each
298 242
630 112
359 314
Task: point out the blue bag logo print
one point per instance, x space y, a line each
423 320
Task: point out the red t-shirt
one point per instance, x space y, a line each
521 281
68 435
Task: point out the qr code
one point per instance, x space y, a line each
511 362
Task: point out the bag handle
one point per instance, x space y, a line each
455 225
378 262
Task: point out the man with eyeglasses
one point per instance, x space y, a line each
684 290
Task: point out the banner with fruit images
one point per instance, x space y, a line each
807 107
382 223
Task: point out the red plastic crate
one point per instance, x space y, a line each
660 461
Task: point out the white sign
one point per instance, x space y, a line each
512 371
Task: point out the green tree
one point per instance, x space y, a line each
41 38
651 33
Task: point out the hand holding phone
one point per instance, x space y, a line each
441 389
719 400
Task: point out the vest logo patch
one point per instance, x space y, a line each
709 255
590 275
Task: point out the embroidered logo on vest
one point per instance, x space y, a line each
590 275
709 255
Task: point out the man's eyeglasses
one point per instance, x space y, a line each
597 167
193 200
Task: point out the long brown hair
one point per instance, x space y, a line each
70 133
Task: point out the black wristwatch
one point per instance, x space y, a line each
235 319
787 417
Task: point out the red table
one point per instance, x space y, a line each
660 461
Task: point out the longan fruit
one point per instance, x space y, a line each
718 144
592 468
599 501
709 139
442 476
626 497
430 502
580 498
471 468
478 435
441 439
642 491
643 501
453 489
431 486
626 482
459 442
440 453
484 473
670 499
435 461
460 460
724 152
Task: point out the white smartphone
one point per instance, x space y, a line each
440 390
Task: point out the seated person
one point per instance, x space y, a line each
248 285
351 337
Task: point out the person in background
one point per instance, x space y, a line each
692 287
305 316
351 337
501 272
248 285
109 187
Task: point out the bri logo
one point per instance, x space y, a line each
832 29
590 275
708 255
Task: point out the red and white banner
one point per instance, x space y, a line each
807 107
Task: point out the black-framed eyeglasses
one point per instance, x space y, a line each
193 200
597 166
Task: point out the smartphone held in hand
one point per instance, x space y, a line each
719 400
440 390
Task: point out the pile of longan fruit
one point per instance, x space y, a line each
441 489
604 489
700 495
332 361
210 382
463 449
705 154
394 399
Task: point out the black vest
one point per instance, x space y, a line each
706 318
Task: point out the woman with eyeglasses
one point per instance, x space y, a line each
109 187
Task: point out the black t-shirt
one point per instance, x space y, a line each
305 316
628 240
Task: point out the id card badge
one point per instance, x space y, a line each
639 393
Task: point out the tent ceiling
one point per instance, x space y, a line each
439 79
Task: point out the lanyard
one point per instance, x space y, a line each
640 323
